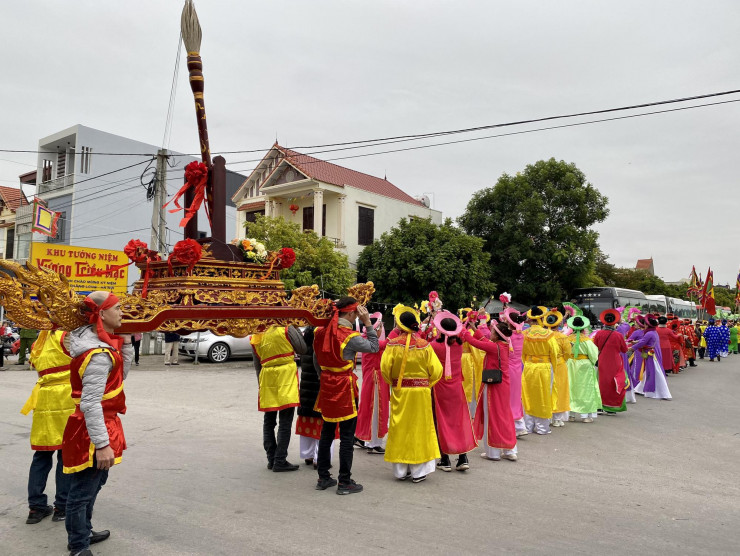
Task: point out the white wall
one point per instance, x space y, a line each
108 211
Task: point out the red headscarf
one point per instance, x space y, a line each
94 319
331 330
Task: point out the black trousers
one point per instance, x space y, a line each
346 449
136 344
702 350
277 448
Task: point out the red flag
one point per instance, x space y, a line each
707 294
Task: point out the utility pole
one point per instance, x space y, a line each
159 229
159 205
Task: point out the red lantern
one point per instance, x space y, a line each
294 208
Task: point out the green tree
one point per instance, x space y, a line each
316 261
417 256
537 228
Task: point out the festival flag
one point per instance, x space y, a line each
694 283
44 220
707 294
737 289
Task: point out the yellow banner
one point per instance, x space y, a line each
78 264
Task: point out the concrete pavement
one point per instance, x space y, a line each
659 479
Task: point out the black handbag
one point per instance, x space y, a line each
493 376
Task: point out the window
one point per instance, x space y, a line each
308 219
252 216
365 226
85 160
46 171
202 235
61 229
9 243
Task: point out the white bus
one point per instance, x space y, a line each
679 307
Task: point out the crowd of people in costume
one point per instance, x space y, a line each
436 385
440 384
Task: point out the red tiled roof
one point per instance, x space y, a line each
13 197
251 206
337 175
644 264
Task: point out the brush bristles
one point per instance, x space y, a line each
191 33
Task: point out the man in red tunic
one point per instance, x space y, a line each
335 350
93 438
667 339
612 374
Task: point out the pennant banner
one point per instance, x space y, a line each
44 220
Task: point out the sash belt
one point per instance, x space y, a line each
412 383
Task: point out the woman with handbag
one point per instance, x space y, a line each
493 422
454 429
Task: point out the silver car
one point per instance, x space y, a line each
216 349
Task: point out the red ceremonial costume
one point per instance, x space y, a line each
454 429
338 389
77 449
612 375
500 427
373 386
667 339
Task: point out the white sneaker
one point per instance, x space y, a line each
588 420
485 456
522 433
572 419
558 423
510 457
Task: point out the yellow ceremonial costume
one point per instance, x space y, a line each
278 379
412 438
560 386
51 398
539 355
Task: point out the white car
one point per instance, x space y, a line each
217 349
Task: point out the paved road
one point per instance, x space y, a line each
660 479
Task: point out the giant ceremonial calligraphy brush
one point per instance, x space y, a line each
191 37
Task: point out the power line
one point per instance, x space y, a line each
419 147
417 136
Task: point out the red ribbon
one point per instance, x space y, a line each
331 330
196 176
94 319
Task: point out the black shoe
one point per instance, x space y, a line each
462 463
99 536
359 443
308 461
323 484
59 515
376 450
270 465
96 537
349 488
85 552
444 463
34 516
407 476
284 466
419 479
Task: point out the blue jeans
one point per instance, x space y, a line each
83 490
39 472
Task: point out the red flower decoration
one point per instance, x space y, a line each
294 208
187 251
287 257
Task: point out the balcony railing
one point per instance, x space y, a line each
338 243
23 214
56 184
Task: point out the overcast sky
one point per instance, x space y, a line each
320 72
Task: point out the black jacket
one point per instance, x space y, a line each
309 386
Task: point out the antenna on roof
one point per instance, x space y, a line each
385 175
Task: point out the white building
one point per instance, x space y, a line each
348 207
11 200
94 179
